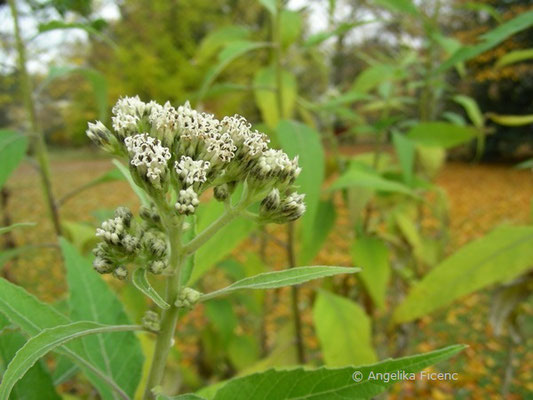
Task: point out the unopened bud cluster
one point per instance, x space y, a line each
186 151
126 242
188 298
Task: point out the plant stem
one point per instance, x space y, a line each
295 295
291 254
169 317
38 143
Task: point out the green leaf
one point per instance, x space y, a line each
405 151
321 227
222 318
291 27
327 383
320 37
511 120
46 341
95 78
187 396
219 38
143 197
441 134
513 57
33 316
489 40
270 5
372 255
37 376
89 28
91 299
472 109
375 75
345 321
475 6
402 6
232 51
80 234
300 140
370 179
276 279
265 95
6 229
12 150
501 255
222 243
140 281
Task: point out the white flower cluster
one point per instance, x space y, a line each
187 201
148 156
190 172
191 151
278 210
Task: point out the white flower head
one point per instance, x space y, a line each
149 156
164 121
190 172
251 143
276 164
132 106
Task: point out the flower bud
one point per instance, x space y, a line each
120 272
125 215
221 192
188 298
271 202
187 201
155 244
157 267
101 136
151 321
103 265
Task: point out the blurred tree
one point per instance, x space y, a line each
506 90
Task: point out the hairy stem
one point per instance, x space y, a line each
169 317
38 143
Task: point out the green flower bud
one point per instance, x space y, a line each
221 192
151 321
103 265
157 267
120 272
125 214
188 298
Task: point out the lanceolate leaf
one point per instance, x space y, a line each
140 281
489 40
472 109
300 140
92 300
276 279
344 331
6 229
327 383
500 256
514 57
441 134
37 376
511 120
356 177
143 197
32 316
265 95
12 150
46 341
231 52
322 225
372 255
222 243
403 6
